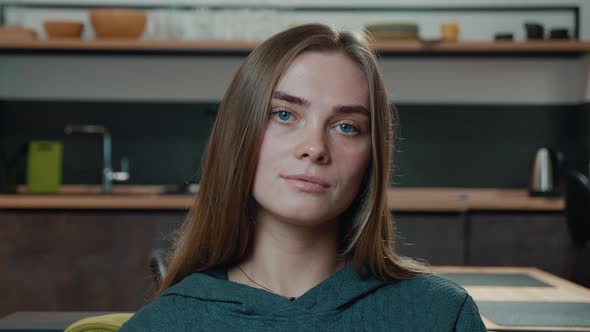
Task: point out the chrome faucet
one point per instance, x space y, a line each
108 175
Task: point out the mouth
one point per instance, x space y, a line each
307 183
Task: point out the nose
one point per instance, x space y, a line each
313 147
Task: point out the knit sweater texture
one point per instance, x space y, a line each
343 302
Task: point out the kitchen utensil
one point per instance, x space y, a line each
559 33
503 36
534 31
63 29
393 31
544 180
118 22
44 166
449 31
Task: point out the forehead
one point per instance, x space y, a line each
325 77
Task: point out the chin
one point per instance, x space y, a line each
306 221
305 214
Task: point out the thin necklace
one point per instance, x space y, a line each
290 298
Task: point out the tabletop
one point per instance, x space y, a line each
523 299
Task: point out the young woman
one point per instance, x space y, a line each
290 229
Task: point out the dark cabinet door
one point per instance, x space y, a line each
538 239
79 260
437 238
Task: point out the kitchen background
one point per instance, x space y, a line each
466 120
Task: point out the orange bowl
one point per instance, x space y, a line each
63 29
118 22
16 33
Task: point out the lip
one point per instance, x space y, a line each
307 183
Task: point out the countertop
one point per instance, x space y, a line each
510 298
399 199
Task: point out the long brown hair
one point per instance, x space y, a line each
218 230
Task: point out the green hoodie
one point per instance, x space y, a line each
344 301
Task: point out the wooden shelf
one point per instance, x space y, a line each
243 47
126 45
399 200
488 47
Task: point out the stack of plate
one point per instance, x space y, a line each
393 31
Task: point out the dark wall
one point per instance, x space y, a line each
163 141
438 145
483 145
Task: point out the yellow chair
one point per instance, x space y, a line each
105 323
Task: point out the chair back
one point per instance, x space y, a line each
577 206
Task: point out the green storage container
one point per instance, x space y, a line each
44 167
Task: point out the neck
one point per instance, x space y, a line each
289 259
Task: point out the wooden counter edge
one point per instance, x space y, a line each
399 200
552 46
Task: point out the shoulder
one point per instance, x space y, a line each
435 299
175 304
429 286
437 286
159 315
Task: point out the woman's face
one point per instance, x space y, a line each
317 144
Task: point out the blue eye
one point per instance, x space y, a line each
284 115
347 128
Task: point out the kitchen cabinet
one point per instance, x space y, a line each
520 239
488 238
79 260
98 260
435 237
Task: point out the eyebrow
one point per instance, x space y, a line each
346 109
290 98
353 109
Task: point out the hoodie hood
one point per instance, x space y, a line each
338 291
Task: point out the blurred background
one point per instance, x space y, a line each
106 107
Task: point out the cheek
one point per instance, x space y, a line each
274 150
354 159
271 151
353 163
